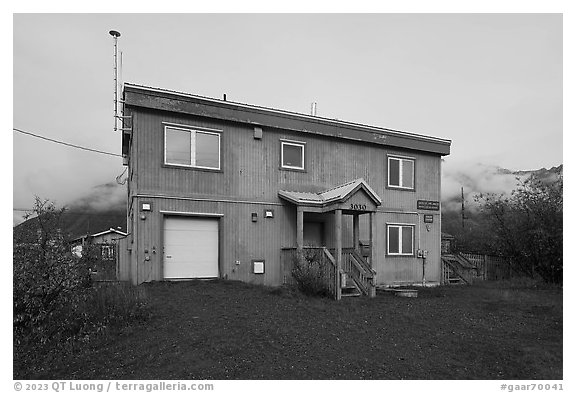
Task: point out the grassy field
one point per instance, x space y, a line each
231 330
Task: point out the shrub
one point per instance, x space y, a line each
54 298
309 272
529 226
48 281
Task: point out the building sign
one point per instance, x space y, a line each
428 218
427 205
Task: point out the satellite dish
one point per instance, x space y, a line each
114 33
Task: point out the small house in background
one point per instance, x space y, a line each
448 243
106 244
105 240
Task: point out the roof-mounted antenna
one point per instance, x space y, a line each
115 34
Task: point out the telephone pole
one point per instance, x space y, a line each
463 215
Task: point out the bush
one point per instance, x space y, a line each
309 272
529 226
53 296
48 281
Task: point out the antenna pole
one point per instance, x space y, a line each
115 34
463 216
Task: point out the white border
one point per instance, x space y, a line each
400 158
294 143
195 130
399 225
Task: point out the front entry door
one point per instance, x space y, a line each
314 234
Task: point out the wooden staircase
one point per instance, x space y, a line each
457 269
358 276
349 287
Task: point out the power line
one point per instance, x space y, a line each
67 144
120 212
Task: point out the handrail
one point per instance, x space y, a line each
364 278
360 259
333 276
329 256
358 265
454 269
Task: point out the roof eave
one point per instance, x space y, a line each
261 116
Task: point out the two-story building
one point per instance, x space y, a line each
229 190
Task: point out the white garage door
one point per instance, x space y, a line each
190 247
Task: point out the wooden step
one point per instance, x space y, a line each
351 291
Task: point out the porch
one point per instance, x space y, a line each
342 268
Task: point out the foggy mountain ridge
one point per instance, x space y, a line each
104 206
479 178
542 173
103 197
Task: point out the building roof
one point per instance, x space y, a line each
336 194
111 230
258 116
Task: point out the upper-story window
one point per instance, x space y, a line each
292 154
191 148
401 172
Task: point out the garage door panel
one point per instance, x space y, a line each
183 224
190 247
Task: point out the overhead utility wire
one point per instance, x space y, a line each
67 144
71 213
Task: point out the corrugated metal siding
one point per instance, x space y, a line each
123 268
398 270
240 238
250 167
250 171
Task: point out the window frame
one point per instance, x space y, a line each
194 130
107 251
302 145
400 172
400 225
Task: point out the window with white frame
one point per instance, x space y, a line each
191 148
107 251
292 155
401 172
400 239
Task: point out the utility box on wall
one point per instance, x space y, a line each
258 266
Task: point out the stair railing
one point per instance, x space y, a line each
451 267
332 274
360 271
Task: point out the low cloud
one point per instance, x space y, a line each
109 196
475 179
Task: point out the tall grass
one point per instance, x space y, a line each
117 303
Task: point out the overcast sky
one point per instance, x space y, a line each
492 83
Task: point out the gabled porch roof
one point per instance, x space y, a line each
331 196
